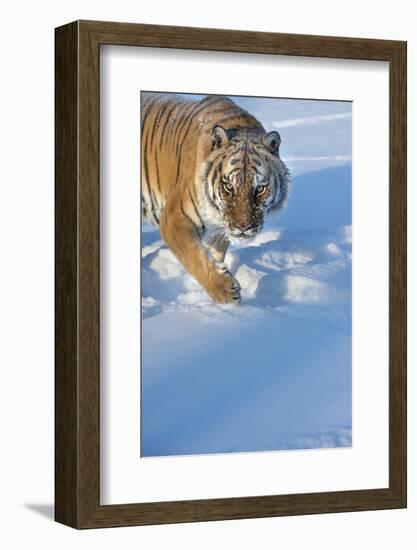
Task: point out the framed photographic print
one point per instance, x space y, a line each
230 274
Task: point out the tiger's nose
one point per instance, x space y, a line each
243 228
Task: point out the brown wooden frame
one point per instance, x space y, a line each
77 372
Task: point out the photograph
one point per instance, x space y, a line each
246 273
209 256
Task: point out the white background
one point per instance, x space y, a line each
26 300
125 478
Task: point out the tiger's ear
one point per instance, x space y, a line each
272 142
219 137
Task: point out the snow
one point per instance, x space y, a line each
275 372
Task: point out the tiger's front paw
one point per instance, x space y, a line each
225 289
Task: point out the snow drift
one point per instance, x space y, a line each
273 373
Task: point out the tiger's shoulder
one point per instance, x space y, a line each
208 111
177 138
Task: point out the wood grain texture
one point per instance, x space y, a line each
78 286
398 273
66 237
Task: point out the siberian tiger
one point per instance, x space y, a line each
210 173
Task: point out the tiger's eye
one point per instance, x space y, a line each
228 187
261 189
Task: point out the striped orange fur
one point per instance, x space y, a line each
209 173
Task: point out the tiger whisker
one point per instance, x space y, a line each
214 234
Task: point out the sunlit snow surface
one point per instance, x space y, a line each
275 372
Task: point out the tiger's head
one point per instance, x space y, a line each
245 178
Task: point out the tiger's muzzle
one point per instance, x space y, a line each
246 232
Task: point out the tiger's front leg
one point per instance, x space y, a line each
181 235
